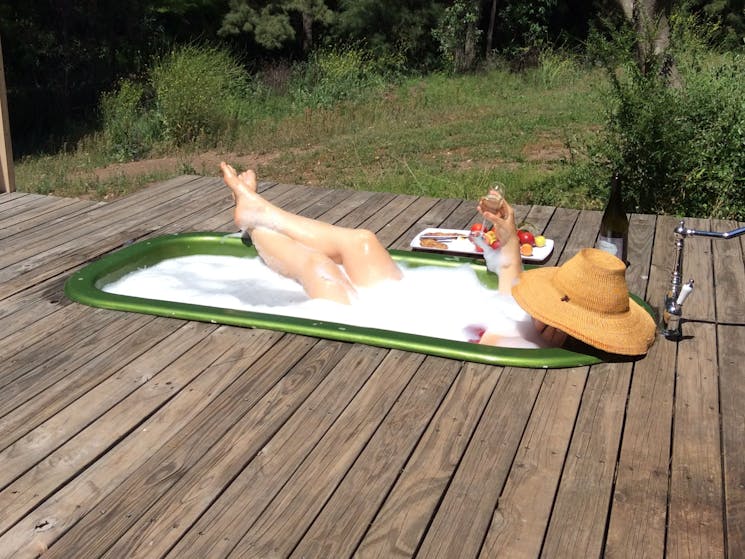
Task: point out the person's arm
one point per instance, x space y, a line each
509 263
531 332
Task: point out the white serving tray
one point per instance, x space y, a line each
462 245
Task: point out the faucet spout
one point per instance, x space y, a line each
672 308
683 231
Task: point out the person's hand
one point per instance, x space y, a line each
507 262
552 335
503 220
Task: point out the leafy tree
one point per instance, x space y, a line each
458 34
679 148
271 23
525 26
386 26
60 55
728 17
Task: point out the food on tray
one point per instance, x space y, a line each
491 239
461 242
432 243
526 237
434 234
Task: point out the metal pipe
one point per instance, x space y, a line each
682 230
672 307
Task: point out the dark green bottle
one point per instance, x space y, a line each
613 236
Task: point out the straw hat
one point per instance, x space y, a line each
587 298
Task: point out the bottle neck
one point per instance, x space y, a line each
615 192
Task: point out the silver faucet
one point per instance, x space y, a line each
672 310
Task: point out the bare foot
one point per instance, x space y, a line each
249 206
240 184
248 178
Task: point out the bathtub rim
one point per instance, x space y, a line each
84 286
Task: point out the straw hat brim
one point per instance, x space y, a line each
630 332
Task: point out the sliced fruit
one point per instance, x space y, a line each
526 237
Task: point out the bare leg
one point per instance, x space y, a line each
364 259
320 276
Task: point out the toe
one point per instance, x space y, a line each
248 178
231 178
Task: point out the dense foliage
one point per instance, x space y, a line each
61 55
158 74
677 139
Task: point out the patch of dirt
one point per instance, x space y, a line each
547 150
461 159
207 163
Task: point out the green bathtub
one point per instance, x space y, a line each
85 285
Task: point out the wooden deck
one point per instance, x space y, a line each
125 435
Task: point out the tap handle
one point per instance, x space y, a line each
684 293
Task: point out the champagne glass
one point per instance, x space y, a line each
492 201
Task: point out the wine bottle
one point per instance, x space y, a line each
613 236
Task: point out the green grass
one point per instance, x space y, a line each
445 136
439 136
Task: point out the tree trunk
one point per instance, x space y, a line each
650 19
465 53
307 31
490 32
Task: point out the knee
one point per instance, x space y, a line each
365 240
325 280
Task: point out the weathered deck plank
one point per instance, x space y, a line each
520 520
220 528
79 443
729 275
697 264
130 435
15 202
462 519
281 524
346 515
732 393
404 517
6 197
695 517
639 507
38 215
192 494
190 446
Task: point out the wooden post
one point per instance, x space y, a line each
7 174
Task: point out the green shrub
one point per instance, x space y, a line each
129 130
679 146
334 75
200 93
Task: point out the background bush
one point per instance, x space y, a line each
129 130
199 94
676 137
334 75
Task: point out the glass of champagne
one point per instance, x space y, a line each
492 201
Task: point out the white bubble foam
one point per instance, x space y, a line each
447 303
